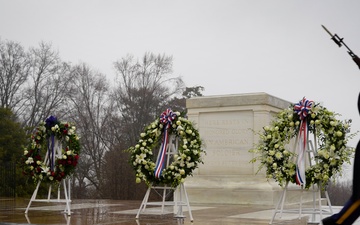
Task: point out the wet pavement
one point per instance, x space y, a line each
109 212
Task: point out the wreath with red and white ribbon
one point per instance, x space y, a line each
299 121
53 152
156 135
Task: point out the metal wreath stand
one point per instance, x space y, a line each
311 151
65 183
179 191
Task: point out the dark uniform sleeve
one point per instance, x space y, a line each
356 172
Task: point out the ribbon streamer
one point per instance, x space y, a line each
49 123
302 109
51 151
166 119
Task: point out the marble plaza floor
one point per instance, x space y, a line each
110 212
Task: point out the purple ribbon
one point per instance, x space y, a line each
49 123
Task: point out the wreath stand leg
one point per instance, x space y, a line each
180 199
67 199
67 196
316 207
179 191
316 195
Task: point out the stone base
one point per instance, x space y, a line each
241 189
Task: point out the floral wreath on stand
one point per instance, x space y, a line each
330 135
41 161
157 133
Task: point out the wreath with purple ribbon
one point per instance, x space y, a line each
296 122
156 136
53 152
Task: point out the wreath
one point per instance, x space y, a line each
60 145
330 136
156 135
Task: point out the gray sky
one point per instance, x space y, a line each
226 46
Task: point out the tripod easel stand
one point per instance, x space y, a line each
65 183
311 150
179 192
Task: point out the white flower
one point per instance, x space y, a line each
29 160
26 152
339 133
68 152
45 169
278 155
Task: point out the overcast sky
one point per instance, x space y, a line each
226 46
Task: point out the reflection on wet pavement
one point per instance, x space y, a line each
109 212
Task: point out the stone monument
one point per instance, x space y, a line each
228 125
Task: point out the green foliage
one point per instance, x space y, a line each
12 140
193 91
12 136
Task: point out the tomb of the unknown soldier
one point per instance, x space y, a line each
228 125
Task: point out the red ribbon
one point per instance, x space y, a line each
302 109
166 119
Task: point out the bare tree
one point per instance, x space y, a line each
142 90
91 113
143 87
14 69
47 86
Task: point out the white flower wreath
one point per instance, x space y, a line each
331 135
184 162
